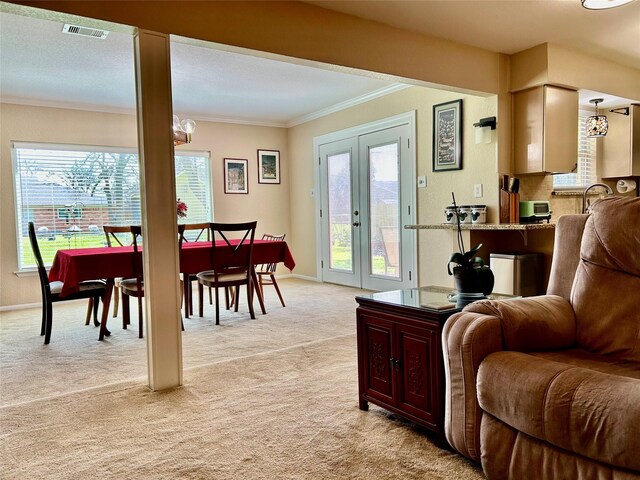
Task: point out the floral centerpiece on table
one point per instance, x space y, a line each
181 209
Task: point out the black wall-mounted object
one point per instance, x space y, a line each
486 122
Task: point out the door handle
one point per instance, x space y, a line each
356 224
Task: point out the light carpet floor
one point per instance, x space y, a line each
271 398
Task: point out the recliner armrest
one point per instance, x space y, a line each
485 327
529 324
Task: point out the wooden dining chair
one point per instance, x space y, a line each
269 269
192 232
94 290
117 237
133 287
231 261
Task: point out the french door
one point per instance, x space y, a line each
366 190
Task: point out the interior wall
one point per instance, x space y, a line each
479 166
265 202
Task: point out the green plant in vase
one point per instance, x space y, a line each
470 273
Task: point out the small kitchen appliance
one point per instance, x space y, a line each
535 211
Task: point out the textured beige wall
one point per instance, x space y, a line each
479 166
269 204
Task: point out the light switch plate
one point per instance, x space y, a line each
422 181
477 190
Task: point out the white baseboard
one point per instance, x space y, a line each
304 277
7 308
24 306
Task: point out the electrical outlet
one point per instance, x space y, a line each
422 181
477 190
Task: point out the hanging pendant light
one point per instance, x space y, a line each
182 130
597 125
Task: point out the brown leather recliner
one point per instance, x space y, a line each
548 387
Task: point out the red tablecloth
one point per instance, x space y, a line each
77 265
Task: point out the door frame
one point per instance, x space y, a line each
407 118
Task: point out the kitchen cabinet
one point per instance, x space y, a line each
545 130
619 154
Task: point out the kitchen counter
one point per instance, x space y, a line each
522 227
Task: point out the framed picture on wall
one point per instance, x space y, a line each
268 166
447 136
236 177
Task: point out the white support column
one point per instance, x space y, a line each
159 222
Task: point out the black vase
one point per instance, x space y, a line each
473 280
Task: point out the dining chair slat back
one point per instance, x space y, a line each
113 239
269 269
231 261
197 230
133 287
92 289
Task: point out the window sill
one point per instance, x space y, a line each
27 272
567 193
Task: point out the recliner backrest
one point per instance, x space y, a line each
606 290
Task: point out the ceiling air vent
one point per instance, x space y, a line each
84 31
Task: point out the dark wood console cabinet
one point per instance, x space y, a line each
400 366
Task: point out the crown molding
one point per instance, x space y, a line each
396 87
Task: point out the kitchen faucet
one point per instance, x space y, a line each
585 204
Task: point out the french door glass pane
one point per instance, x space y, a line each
340 232
384 201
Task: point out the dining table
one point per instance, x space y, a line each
73 266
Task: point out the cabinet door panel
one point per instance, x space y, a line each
377 345
419 372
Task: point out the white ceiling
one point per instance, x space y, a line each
42 66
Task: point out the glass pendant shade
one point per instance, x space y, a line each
597 125
182 130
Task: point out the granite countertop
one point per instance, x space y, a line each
485 226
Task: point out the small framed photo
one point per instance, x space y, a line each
268 166
447 136
236 178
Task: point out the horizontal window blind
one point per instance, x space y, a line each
585 173
71 191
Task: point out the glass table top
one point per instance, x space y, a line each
431 297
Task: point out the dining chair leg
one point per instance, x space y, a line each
105 310
250 299
140 317
236 298
96 304
211 298
47 333
217 307
186 284
190 300
226 298
116 301
200 300
254 281
275 284
125 310
43 324
89 309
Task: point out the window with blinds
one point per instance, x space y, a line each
585 173
70 192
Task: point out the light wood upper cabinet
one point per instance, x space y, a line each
620 149
545 130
